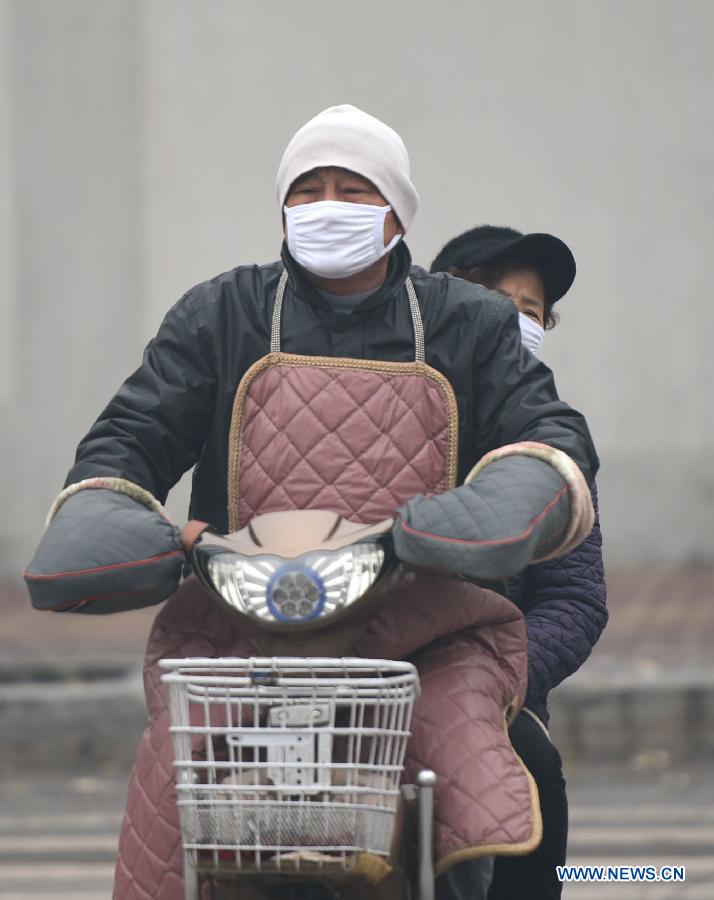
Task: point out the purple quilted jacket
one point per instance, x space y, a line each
563 601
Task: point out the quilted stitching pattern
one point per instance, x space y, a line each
468 676
491 527
359 443
100 528
105 544
483 795
564 601
150 861
356 442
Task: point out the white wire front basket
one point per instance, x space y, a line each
282 759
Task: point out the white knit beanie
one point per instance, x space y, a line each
345 136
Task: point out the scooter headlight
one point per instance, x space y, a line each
295 590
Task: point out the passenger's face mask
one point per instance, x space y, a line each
532 333
334 239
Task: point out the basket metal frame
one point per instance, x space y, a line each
256 749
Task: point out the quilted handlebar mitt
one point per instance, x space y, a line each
520 504
109 546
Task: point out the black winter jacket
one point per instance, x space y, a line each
175 410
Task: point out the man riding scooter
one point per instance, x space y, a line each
340 377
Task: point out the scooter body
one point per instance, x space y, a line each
289 764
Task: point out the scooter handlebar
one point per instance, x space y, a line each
190 533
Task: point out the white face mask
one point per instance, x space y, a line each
335 239
532 333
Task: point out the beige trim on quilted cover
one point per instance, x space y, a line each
109 483
235 442
582 514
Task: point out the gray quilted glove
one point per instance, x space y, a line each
514 512
104 552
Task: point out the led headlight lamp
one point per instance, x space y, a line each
273 589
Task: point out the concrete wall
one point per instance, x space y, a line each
140 156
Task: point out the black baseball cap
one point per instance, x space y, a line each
491 244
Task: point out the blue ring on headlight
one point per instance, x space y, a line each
287 579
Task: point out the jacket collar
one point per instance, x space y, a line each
400 260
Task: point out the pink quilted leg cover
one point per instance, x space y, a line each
485 799
150 862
